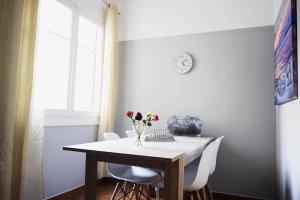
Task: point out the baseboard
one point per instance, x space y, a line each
69 194
76 191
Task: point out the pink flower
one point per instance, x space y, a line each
155 117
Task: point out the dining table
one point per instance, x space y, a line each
171 157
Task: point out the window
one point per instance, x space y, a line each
68 60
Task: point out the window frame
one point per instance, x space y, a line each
70 116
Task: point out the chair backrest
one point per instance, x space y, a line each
214 158
204 167
130 133
110 136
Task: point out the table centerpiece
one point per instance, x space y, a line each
140 122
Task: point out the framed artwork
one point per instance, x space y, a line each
285 54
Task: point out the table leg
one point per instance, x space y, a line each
173 180
90 176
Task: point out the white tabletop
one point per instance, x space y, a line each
188 148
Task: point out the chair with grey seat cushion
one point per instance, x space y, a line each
137 177
196 174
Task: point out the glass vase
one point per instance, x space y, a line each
139 132
138 141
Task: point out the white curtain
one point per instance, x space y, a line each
109 80
20 125
32 182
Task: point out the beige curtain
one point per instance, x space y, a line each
109 80
17 38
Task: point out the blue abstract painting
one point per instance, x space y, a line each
285 54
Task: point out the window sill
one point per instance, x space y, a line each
73 119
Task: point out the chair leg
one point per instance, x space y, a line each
115 191
209 192
148 192
157 193
198 195
123 191
137 192
132 191
124 188
191 196
141 191
204 193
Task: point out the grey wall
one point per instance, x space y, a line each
64 170
230 88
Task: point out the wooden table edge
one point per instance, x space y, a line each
128 159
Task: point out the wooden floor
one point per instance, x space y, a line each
106 186
104 190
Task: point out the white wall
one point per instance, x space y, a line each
288 137
157 18
276 7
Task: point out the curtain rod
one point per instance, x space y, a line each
108 5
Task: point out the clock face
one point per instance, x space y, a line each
183 63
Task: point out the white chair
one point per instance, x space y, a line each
213 163
138 176
111 136
196 174
214 160
130 133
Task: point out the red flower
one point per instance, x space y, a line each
155 117
129 114
138 116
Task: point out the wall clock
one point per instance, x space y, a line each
182 63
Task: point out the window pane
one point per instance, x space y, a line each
87 33
85 77
87 69
56 17
53 55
